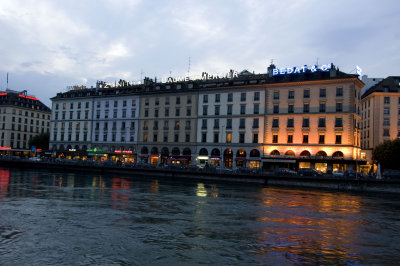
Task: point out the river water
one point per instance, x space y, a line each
54 218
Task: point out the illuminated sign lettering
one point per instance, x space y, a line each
122 151
28 97
298 70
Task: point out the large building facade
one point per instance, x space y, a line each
21 118
380 111
302 117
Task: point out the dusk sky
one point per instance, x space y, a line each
49 45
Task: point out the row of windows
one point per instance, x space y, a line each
242 123
229 109
71 115
305 139
243 96
167 100
20 112
13 119
306 108
72 105
32 129
165 137
306 122
228 139
307 93
386 100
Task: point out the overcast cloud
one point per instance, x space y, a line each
48 45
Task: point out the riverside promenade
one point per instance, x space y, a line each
325 182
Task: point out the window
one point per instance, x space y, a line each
154 137
291 95
241 138
230 97
305 139
386 100
157 101
306 108
256 96
71 106
146 112
177 123
115 113
322 107
290 108
276 108
216 123
290 138
189 100
255 123
338 139
290 122
216 137
155 113
205 107
177 111
243 96
386 122
229 123
187 137
166 125
275 122
321 122
322 93
306 94
217 98
255 138
188 111
242 123
321 139
115 103
256 109
229 111
338 122
275 138
228 137
339 91
217 110
145 137
166 100
243 109
178 100
386 133
187 126
124 103
306 122
204 137
386 111
276 95
204 124
79 105
205 98
166 111
339 107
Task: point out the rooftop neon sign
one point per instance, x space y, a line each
28 97
298 70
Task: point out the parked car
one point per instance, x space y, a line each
284 171
308 172
338 173
35 159
392 174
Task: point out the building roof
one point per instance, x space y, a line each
22 99
244 78
390 84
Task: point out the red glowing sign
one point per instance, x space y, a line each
3 93
5 148
121 151
28 97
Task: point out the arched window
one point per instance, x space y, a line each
305 154
254 153
154 151
228 152
164 151
241 153
203 152
144 150
275 152
338 154
289 153
187 151
176 151
215 152
321 154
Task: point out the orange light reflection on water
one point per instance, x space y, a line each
304 223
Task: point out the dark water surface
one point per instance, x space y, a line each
84 219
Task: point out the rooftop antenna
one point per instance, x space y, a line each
272 61
189 68
317 60
7 81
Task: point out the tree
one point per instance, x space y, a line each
388 154
41 141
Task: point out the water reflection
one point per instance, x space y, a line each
310 226
4 181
